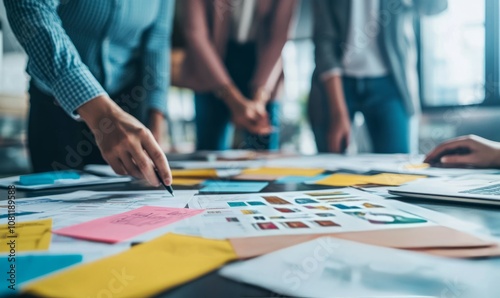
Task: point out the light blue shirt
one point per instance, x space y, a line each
79 49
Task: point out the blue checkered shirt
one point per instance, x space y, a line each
79 49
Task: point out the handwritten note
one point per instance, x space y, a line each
26 236
123 226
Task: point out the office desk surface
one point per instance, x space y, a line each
213 285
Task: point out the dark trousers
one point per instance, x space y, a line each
58 142
213 117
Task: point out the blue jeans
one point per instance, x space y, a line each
385 116
214 129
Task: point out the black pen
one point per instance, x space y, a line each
167 187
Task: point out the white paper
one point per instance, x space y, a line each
104 170
84 180
329 267
305 212
361 163
81 206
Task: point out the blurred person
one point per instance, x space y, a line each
99 70
233 63
365 54
466 151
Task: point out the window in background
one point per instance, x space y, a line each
453 55
298 63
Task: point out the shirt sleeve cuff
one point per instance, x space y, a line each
158 101
330 73
75 88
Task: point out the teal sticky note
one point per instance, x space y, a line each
29 267
47 178
232 186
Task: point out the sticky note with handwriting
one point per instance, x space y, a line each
123 226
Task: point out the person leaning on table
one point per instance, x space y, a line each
466 151
105 62
233 63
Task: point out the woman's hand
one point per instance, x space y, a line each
125 143
468 150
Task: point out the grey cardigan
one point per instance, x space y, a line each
396 39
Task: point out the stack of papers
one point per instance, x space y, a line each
58 180
334 268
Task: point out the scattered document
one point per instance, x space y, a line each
217 186
330 211
121 227
102 170
81 206
147 269
25 236
334 268
59 179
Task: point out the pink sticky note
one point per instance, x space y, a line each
123 226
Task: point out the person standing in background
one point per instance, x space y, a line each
105 62
366 61
233 63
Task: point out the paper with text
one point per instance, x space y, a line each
126 225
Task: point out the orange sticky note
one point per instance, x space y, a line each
187 181
281 172
197 173
343 180
421 166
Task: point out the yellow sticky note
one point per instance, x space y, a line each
198 173
187 181
342 180
281 172
421 166
26 236
142 271
392 179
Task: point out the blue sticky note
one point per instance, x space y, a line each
17 214
47 178
30 267
300 179
232 186
236 204
256 203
